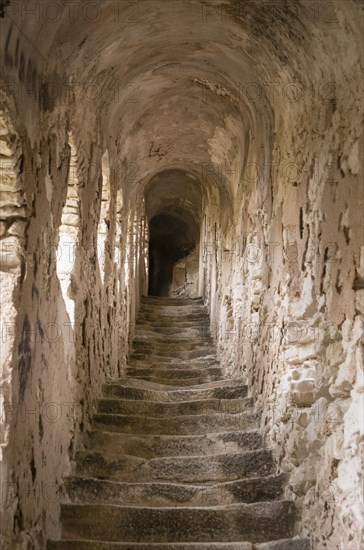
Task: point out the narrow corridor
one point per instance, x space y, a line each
181 273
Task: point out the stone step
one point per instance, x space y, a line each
258 522
163 349
177 425
178 382
168 338
156 408
257 489
175 313
168 364
169 333
177 308
171 370
197 318
158 357
188 321
286 544
167 301
184 365
190 469
147 446
225 383
165 361
163 346
185 355
94 545
180 374
131 388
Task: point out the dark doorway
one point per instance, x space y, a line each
169 241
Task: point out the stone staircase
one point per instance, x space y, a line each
175 458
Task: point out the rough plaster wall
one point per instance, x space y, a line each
39 363
58 363
13 214
291 305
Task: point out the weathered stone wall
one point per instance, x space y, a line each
289 304
13 215
61 328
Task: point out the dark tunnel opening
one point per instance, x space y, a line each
169 241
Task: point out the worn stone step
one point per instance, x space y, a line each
130 388
173 366
167 301
224 383
178 382
94 545
136 383
172 370
175 324
258 522
177 309
156 408
169 361
147 331
175 314
173 354
163 347
177 425
190 469
171 358
165 373
168 364
162 494
168 336
175 343
286 544
149 446
176 378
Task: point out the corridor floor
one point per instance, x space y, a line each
175 458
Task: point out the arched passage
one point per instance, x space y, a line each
265 129
173 202
171 239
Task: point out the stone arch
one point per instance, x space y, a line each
173 205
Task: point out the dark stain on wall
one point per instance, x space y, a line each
24 353
3 4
